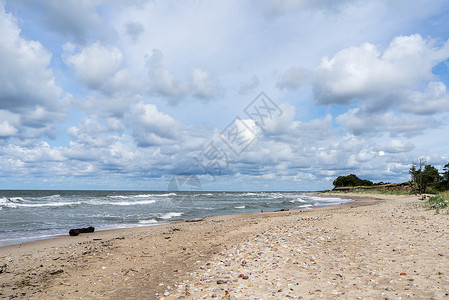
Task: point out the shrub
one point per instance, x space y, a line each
350 180
439 201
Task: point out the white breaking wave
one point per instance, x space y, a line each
151 221
53 196
276 195
127 203
165 195
298 200
240 207
250 194
5 202
171 215
119 197
141 196
13 200
305 206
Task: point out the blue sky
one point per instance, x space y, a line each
128 94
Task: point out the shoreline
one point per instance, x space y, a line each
131 226
167 260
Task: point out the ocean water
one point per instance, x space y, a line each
32 215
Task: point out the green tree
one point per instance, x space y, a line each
431 174
350 180
423 174
416 173
446 175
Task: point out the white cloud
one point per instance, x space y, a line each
27 84
40 151
397 146
162 80
358 72
201 84
151 127
7 129
365 123
434 99
100 68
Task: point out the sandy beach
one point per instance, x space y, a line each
378 247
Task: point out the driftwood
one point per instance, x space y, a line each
196 220
75 232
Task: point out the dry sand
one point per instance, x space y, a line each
379 247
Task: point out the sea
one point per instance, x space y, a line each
33 215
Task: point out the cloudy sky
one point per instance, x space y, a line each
245 95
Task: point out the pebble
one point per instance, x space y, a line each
302 258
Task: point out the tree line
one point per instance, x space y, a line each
428 178
424 177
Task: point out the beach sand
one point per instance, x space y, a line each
378 247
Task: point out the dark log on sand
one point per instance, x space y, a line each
75 232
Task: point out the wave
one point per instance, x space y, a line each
165 195
34 237
53 204
52 196
118 197
151 221
304 206
297 200
240 207
275 195
5 202
250 194
123 203
329 199
171 215
11 200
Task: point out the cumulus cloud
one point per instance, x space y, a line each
287 128
152 127
433 99
390 88
6 129
162 80
100 68
365 123
28 92
362 72
397 146
201 84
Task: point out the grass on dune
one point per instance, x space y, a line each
372 191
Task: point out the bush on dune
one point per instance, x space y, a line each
439 201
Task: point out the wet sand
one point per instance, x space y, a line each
378 247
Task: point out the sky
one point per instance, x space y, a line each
254 95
